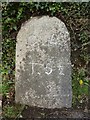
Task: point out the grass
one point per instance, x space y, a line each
75 16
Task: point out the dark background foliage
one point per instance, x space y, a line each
76 18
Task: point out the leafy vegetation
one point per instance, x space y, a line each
80 87
75 16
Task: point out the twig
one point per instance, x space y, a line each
20 112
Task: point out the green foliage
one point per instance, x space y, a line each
0 88
79 91
12 111
83 37
14 14
9 111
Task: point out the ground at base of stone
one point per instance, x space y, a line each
31 112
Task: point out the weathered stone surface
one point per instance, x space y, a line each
43 67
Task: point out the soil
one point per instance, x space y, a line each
34 112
